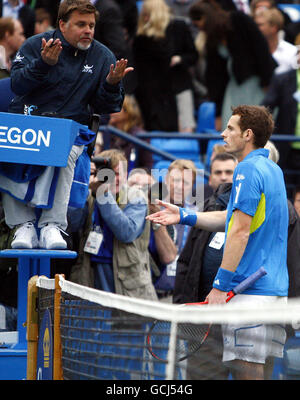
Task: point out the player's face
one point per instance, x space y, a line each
79 29
233 137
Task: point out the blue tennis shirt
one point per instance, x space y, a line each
258 190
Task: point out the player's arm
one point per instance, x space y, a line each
236 242
171 214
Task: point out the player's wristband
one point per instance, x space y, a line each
223 280
187 217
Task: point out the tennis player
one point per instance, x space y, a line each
256 230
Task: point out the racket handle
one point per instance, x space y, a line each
249 281
241 286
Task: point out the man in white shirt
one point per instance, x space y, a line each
270 22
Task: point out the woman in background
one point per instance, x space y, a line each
163 52
239 65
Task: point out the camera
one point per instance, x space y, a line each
101 164
158 191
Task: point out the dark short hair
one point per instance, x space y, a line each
223 157
295 191
257 118
82 6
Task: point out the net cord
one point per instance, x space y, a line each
288 313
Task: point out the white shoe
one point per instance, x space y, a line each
25 237
50 238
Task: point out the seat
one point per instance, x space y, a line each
209 150
206 117
139 4
180 148
6 94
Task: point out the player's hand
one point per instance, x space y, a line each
51 50
118 71
169 216
216 296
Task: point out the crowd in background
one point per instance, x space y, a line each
184 52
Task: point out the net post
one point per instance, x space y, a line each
32 328
57 349
170 370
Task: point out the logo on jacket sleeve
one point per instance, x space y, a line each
88 69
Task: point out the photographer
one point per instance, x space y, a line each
118 242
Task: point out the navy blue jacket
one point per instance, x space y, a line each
74 88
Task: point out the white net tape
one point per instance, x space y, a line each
285 313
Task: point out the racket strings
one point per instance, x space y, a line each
189 339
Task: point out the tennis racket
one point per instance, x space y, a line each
190 337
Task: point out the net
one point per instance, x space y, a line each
107 336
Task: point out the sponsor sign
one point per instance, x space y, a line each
45 349
36 140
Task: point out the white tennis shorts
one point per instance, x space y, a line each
253 342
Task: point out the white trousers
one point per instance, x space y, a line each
17 213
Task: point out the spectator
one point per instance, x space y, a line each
239 64
130 17
111 31
121 260
296 199
221 171
18 10
163 52
256 222
43 21
258 5
283 96
51 6
270 23
179 180
162 248
42 78
11 39
129 120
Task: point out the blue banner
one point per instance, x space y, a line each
35 140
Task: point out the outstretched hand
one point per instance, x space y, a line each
51 50
118 71
169 216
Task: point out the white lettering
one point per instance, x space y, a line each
29 136
3 133
24 136
237 188
41 136
15 139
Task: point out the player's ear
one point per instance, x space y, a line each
249 135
